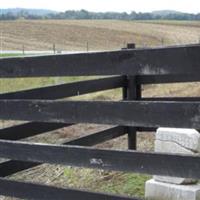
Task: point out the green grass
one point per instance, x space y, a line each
17 84
110 182
172 22
9 55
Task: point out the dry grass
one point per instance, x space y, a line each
96 180
101 34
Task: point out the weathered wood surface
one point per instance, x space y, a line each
126 113
10 167
156 79
157 61
132 91
130 161
173 99
67 90
29 129
35 191
99 137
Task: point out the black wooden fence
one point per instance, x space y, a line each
45 111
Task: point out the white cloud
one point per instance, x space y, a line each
106 5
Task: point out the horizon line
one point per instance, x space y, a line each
99 11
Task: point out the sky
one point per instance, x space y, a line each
191 6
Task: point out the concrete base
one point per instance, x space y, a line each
173 180
164 191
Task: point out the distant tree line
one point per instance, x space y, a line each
84 14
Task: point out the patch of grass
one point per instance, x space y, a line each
127 184
9 55
172 22
16 84
8 85
110 182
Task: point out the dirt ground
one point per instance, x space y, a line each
99 34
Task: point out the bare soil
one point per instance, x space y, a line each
99 34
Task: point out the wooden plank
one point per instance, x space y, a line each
131 161
67 90
126 113
146 129
156 79
27 190
10 167
99 137
157 61
29 129
189 99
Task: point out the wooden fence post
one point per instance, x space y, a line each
54 48
132 91
23 50
87 46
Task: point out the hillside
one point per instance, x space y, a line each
166 12
17 11
72 35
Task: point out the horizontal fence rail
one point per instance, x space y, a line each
157 61
35 191
128 113
68 89
187 99
99 137
10 167
130 161
29 129
158 79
